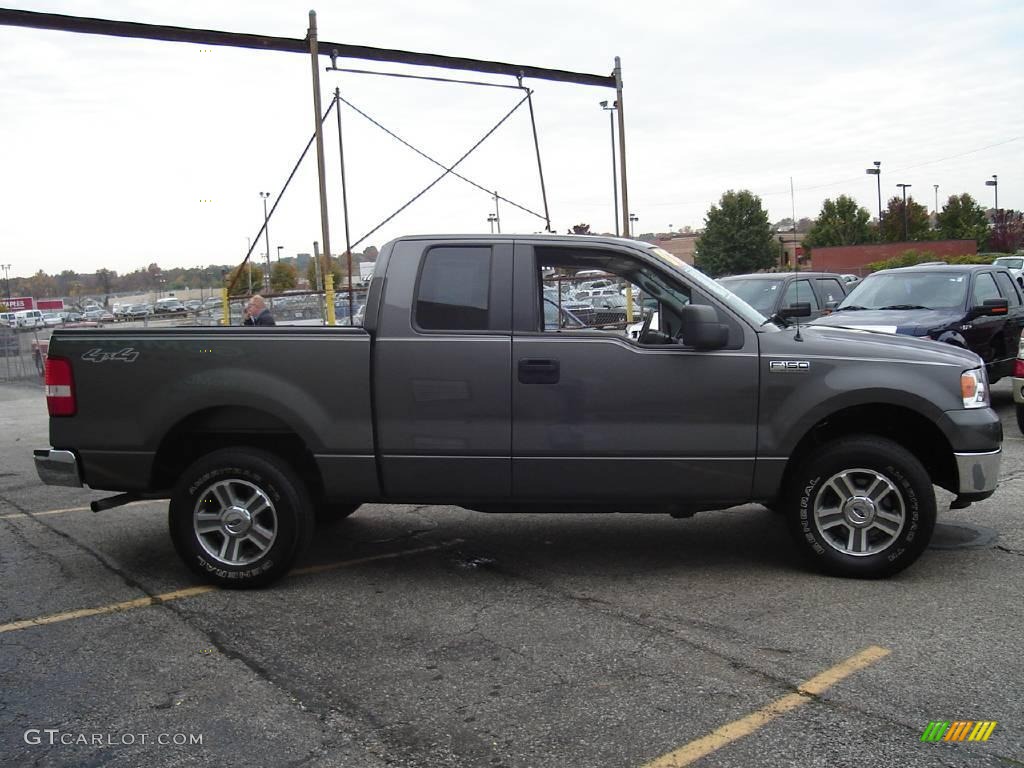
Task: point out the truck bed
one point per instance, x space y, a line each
142 394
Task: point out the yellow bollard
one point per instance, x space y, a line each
329 296
226 320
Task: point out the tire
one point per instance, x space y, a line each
1020 417
861 507
239 517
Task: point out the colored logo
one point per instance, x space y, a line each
958 730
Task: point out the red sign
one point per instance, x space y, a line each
799 251
18 303
50 305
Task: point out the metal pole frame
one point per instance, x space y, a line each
344 202
314 50
617 74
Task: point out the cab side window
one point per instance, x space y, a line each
984 288
454 289
1008 289
800 291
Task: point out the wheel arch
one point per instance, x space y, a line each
226 426
904 426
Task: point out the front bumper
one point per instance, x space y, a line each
979 473
58 467
1018 391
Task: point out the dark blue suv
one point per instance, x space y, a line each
974 306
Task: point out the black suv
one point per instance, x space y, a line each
974 306
770 292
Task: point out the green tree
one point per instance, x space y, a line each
737 236
335 270
918 226
579 229
841 222
283 277
961 218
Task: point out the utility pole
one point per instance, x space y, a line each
497 216
615 175
266 240
617 74
314 51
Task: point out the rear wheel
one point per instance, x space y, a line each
1020 417
240 517
862 507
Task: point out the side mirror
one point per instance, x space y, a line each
701 329
991 307
800 309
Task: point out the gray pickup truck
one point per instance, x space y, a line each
456 391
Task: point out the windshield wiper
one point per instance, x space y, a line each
851 307
905 306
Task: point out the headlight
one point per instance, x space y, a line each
974 388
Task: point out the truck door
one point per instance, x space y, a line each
442 371
601 416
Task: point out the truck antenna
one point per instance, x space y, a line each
796 256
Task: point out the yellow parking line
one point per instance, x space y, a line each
166 597
12 515
695 750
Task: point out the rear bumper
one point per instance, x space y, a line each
58 467
979 473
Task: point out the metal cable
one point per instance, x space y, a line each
447 171
439 164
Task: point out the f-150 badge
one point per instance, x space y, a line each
97 355
789 366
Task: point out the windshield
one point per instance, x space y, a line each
760 294
1009 263
698 278
929 290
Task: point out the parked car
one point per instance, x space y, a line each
52 319
771 292
98 316
8 319
973 306
1014 265
454 393
29 319
169 306
850 280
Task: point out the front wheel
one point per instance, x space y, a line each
240 517
862 507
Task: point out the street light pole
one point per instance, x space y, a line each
995 188
877 173
936 203
491 218
906 219
279 252
615 174
7 278
633 219
266 240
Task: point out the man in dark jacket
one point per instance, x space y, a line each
257 312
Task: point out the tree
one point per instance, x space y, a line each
1007 231
311 273
283 277
841 222
579 229
961 218
918 226
783 225
371 253
804 225
737 236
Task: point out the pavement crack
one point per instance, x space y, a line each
1009 550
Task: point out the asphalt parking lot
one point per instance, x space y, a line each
433 636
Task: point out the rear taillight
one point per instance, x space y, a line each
60 387
1018 368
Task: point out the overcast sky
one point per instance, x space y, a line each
117 153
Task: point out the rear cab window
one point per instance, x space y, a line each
1008 288
453 292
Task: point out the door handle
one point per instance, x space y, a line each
539 371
